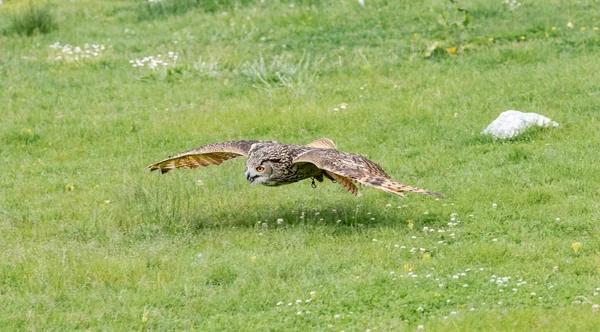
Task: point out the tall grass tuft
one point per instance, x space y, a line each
33 20
283 71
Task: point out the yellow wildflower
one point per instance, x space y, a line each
426 257
553 28
252 259
491 39
522 37
407 267
595 28
576 246
582 29
451 50
547 35
411 224
570 25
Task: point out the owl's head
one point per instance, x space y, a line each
262 172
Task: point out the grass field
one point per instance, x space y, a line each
90 240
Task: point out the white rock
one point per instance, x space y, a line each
512 123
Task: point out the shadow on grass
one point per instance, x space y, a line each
148 213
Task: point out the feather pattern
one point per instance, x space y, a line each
210 154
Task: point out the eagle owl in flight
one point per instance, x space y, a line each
274 164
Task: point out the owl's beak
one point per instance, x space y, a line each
250 178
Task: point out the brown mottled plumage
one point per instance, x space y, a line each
275 164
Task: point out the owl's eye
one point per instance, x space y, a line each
260 169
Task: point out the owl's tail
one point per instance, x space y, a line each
399 189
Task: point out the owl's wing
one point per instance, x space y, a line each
349 168
211 154
322 143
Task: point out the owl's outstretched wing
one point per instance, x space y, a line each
211 154
349 168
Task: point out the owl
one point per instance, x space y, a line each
274 164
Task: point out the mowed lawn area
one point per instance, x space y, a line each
91 92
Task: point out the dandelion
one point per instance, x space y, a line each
426 257
595 28
252 259
553 28
522 37
582 29
411 224
570 25
451 50
576 246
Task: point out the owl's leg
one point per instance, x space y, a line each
329 177
313 184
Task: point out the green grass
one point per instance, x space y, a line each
90 240
34 19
